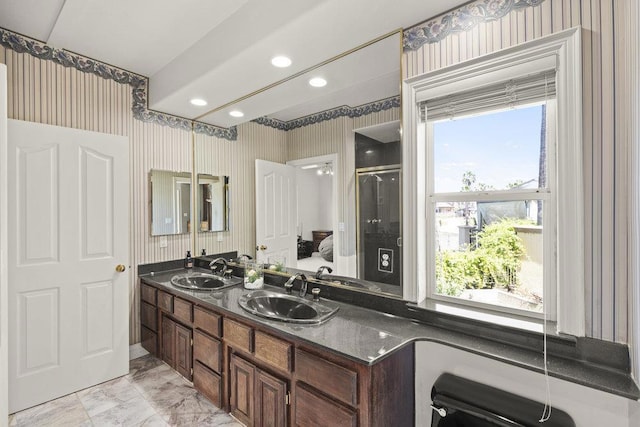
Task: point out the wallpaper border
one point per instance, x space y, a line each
462 19
140 84
333 113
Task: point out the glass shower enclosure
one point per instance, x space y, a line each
379 224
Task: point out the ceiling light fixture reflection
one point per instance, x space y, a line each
280 61
326 169
236 113
318 82
198 102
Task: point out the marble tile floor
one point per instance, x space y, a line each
152 394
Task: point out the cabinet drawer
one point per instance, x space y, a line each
207 321
148 293
238 335
335 380
148 316
149 340
273 351
183 310
208 383
313 410
207 350
165 301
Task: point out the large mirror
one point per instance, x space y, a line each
170 202
343 144
213 196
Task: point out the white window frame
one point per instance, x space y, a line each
560 51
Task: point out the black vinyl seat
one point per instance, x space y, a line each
459 402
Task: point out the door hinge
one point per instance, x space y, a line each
191 371
191 342
287 398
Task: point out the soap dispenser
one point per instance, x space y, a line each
188 261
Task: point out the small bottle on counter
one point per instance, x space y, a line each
188 261
204 252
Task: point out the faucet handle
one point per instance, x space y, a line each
316 294
288 286
227 273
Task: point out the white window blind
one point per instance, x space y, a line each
506 94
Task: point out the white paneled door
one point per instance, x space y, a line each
68 216
276 211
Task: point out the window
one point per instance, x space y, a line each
490 189
493 167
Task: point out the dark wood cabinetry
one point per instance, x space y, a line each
256 397
241 396
265 378
271 397
149 319
176 347
315 410
183 355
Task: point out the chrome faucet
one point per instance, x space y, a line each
214 267
303 288
243 257
321 270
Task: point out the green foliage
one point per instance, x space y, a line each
494 262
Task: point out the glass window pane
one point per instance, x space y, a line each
494 151
491 252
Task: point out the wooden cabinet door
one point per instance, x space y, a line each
183 355
168 341
270 401
241 399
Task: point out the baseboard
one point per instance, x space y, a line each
136 351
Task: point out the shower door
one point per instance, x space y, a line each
379 226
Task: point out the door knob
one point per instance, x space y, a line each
120 268
261 248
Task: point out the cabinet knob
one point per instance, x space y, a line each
120 268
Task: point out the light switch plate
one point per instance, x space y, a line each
220 237
163 241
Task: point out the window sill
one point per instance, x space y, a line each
488 316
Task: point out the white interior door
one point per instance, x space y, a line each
276 211
68 232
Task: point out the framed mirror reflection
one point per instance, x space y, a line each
170 202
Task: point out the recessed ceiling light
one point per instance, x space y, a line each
198 102
236 113
318 82
280 61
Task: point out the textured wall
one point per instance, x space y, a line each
605 75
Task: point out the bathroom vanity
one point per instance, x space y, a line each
272 373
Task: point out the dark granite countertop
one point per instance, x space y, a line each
367 336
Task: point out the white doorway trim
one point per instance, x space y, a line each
4 305
340 262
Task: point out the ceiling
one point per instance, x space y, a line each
220 50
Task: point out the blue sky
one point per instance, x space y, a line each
499 148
